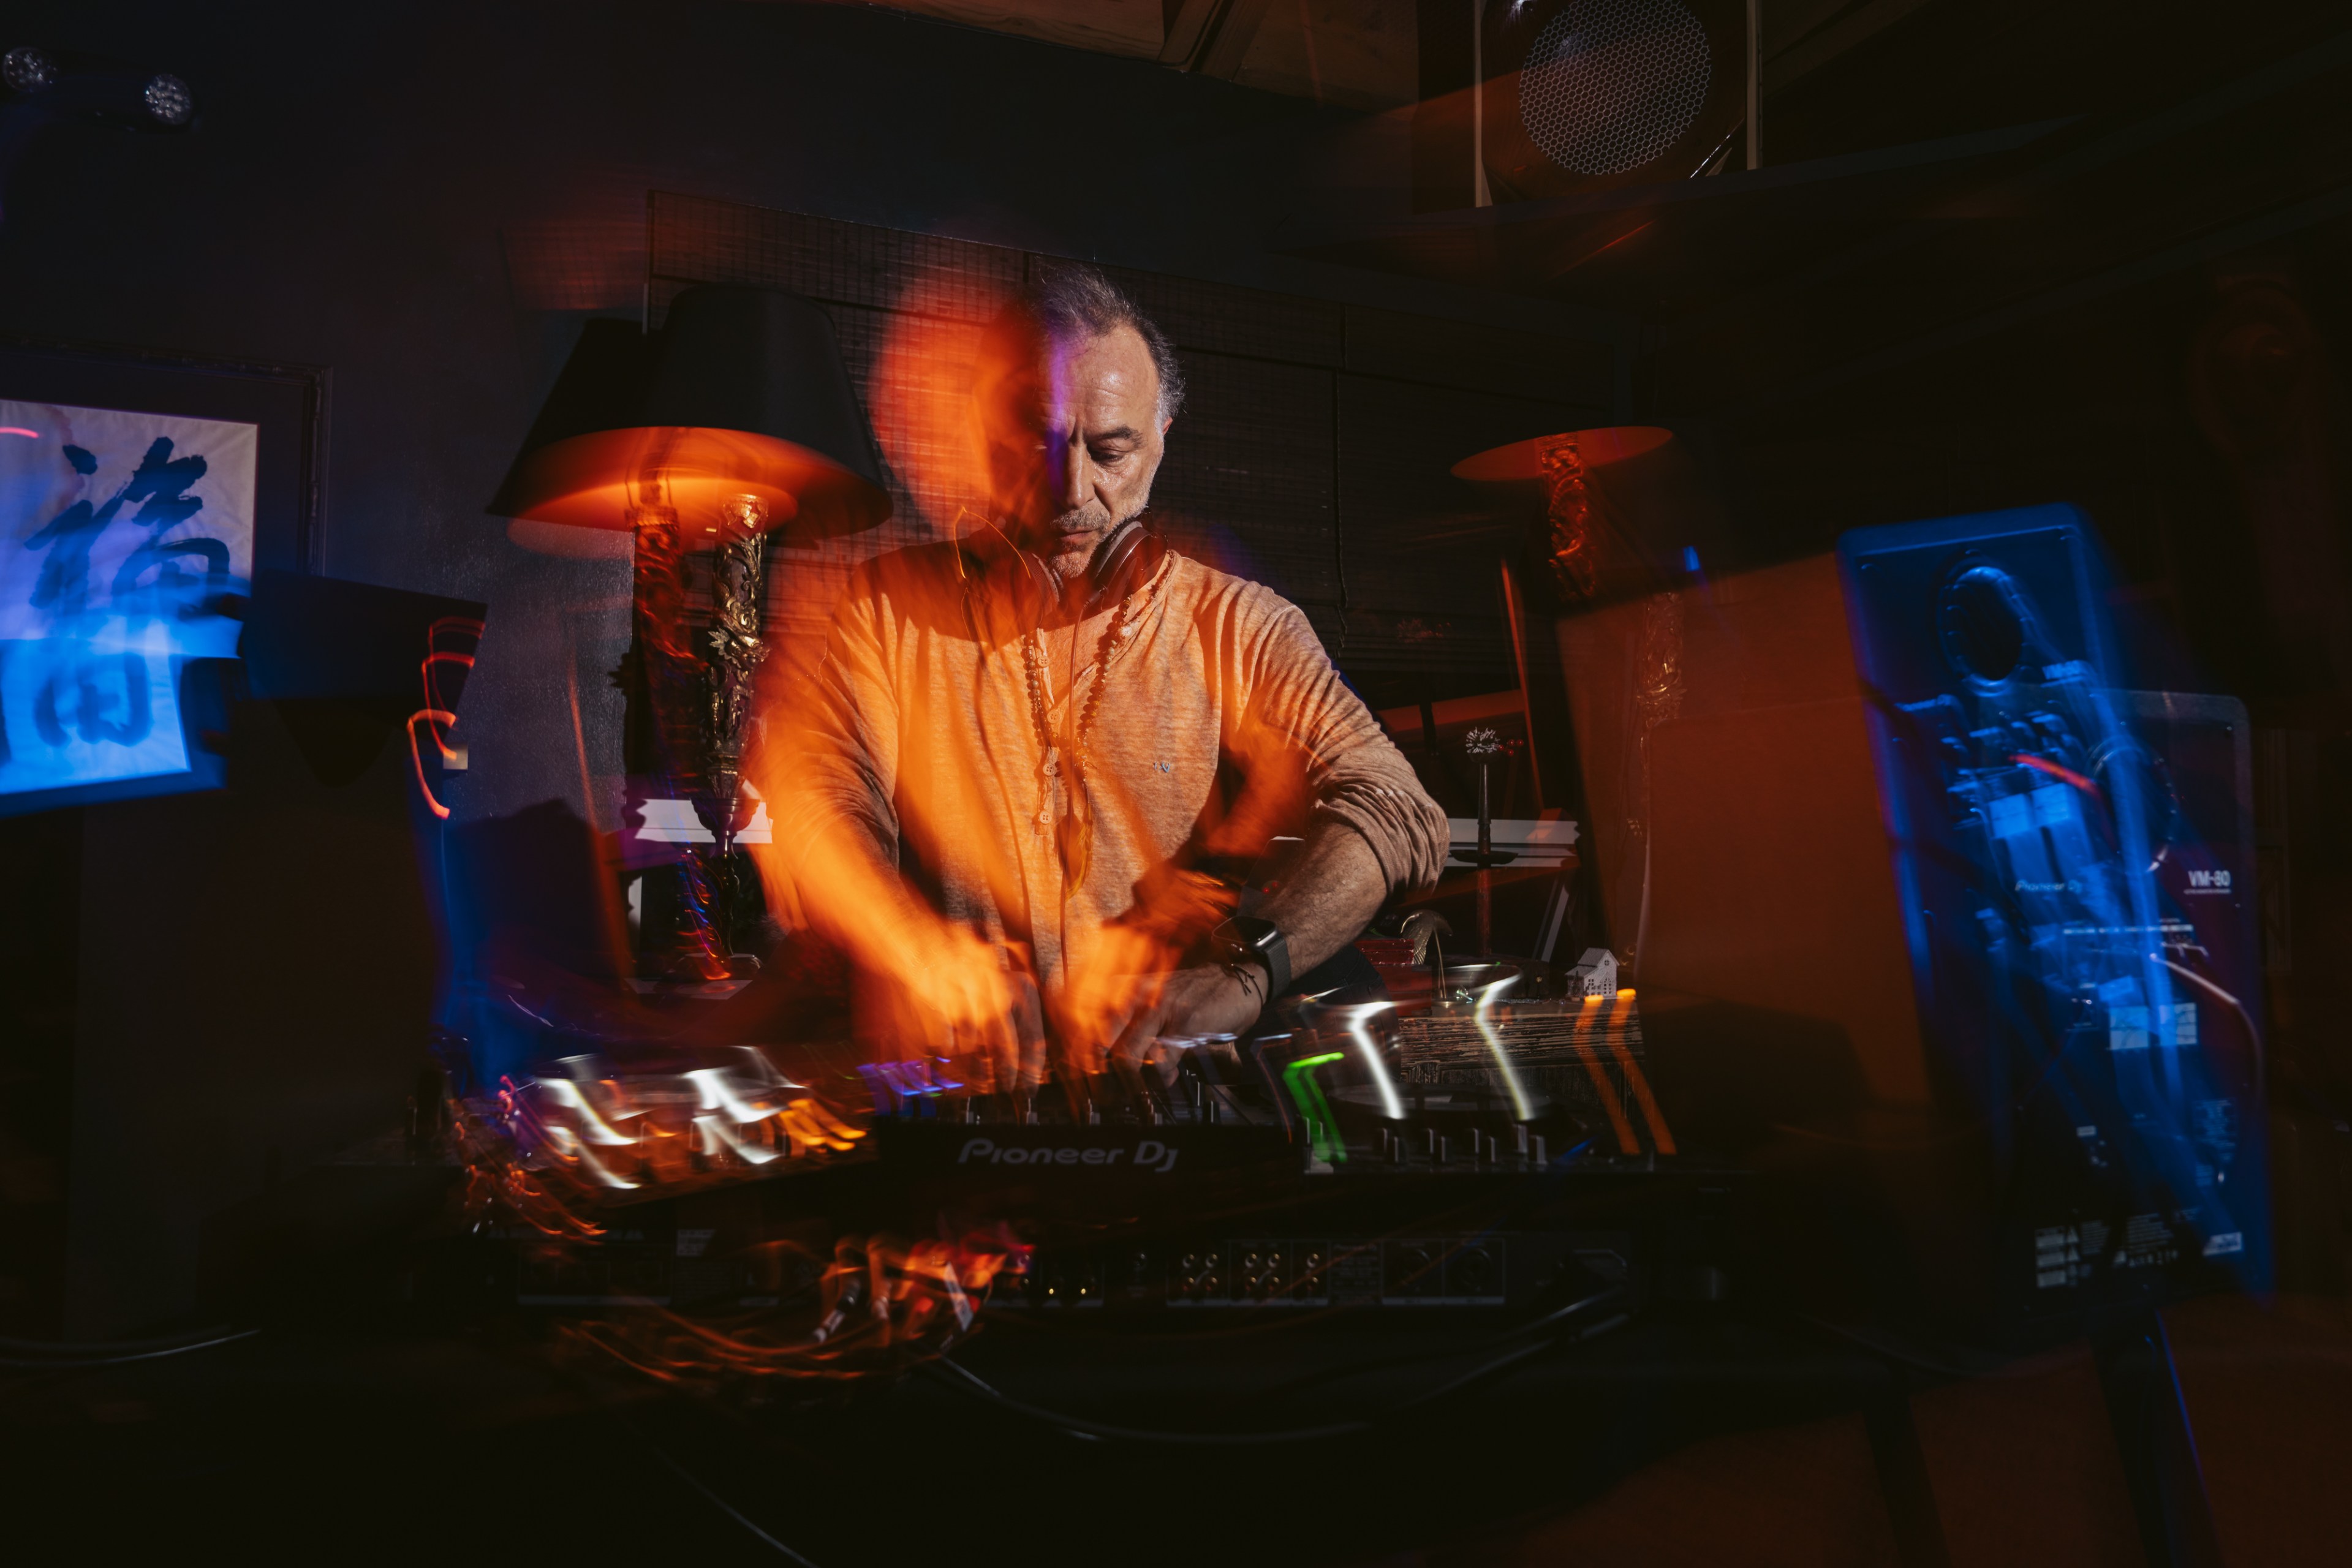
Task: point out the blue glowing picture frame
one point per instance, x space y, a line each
288 402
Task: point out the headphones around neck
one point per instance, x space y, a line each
1128 557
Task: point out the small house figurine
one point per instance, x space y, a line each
1594 975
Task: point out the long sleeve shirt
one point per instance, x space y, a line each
1216 722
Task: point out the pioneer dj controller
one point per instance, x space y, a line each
1469 1157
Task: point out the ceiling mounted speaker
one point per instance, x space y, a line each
1581 95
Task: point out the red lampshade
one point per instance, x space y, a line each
742 392
1523 460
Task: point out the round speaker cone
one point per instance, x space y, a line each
1610 85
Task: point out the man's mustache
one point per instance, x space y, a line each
1090 513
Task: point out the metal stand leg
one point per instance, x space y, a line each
1904 1482
2157 1448
1557 910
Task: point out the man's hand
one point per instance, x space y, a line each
975 1002
1124 994
1209 1000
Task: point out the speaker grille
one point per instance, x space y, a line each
1611 85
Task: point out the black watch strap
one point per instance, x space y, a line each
1245 938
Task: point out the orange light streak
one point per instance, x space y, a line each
885 1305
430 715
2044 765
1608 1103
435 715
1659 1133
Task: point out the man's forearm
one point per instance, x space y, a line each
1334 892
1337 886
846 887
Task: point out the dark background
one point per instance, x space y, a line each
426 200
2142 312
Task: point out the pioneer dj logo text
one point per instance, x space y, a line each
1150 1154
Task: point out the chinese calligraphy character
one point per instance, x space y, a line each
158 488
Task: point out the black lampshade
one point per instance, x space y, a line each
743 391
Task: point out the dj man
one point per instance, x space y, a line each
1023 752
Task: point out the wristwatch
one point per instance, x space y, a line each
1246 939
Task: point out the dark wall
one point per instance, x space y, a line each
1313 454
2145 316
426 199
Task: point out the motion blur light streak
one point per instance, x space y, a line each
540 1152
599 1131
1660 1134
496 1178
1596 252
1353 1020
2044 765
1619 1123
460 625
895 1085
1313 1108
439 720
451 757
885 1305
436 714
682 1131
1522 1110
716 1137
567 1146
739 1096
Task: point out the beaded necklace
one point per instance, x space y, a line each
1076 833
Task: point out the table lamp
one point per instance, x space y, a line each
1572 551
735 420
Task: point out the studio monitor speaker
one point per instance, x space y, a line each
1584 95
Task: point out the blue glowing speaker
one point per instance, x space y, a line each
1929 908
2073 861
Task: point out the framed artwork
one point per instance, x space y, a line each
140 495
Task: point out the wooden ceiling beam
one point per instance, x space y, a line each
1210 36
1184 23
1334 51
1128 28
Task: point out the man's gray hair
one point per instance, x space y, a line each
1069 299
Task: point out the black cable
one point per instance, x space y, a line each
1080 1428
721 1504
68 1363
1501 1337
1439 1352
1076 1427
15 1346
1909 1352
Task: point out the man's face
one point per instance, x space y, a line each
1074 439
